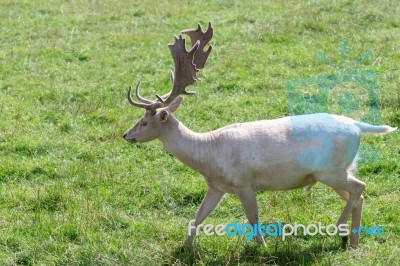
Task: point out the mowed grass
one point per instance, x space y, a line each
73 192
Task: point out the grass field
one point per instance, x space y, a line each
73 192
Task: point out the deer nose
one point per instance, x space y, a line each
126 133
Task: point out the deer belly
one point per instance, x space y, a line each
283 182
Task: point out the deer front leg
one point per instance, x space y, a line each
249 203
210 201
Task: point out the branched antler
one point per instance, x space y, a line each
200 57
187 63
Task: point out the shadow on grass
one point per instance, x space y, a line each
244 253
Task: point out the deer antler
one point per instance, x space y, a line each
187 63
146 104
200 57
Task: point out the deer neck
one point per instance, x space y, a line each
183 143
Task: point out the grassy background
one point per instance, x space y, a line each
72 192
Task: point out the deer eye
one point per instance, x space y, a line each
143 123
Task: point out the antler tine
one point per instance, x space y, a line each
146 106
172 77
142 99
162 98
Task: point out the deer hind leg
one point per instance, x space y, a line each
355 216
210 201
349 189
352 194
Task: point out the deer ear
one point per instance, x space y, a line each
164 115
175 104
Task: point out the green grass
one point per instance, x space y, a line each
72 192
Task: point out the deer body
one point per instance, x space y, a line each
264 155
260 155
280 154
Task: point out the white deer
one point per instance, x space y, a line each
281 154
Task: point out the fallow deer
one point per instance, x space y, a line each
281 154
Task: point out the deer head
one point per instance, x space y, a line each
187 64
